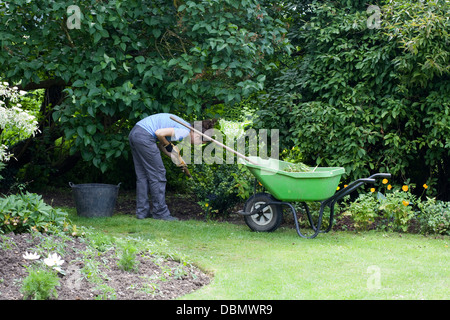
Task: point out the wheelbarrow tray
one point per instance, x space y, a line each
316 185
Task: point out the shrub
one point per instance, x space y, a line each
396 209
434 217
399 210
363 211
218 187
369 100
26 212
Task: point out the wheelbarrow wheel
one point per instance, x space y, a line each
269 219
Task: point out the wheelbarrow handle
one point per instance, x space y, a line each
349 189
380 176
366 180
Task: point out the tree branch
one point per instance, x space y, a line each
44 84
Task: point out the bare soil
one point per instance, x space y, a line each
156 278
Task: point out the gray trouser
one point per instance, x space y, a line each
150 174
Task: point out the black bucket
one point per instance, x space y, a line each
95 199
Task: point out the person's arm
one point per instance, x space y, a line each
161 134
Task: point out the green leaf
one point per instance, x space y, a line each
81 132
78 83
97 37
156 33
91 129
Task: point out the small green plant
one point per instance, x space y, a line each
100 241
91 269
106 292
180 272
149 286
127 257
434 217
363 211
244 182
396 208
40 284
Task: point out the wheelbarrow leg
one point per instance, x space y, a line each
319 223
330 202
308 213
322 209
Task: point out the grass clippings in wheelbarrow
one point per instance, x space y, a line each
297 167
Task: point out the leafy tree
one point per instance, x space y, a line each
107 64
365 96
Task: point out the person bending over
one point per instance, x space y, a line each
147 138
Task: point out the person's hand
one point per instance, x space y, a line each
186 171
179 161
169 147
176 158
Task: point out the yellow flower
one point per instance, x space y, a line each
372 189
206 205
385 181
405 203
389 187
425 186
405 188
338 188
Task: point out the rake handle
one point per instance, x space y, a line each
215 141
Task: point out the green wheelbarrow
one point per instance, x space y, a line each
263 211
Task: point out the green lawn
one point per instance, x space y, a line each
281 265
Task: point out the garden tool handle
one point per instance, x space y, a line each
216 142
380 176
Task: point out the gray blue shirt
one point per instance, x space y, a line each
161 121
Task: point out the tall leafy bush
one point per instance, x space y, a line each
119 61
368 99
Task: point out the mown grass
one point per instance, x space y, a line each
281 265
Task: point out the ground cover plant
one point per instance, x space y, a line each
398 209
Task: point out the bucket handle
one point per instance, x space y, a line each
73 185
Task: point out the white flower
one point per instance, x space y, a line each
58 269
13 117
30 256
53 260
